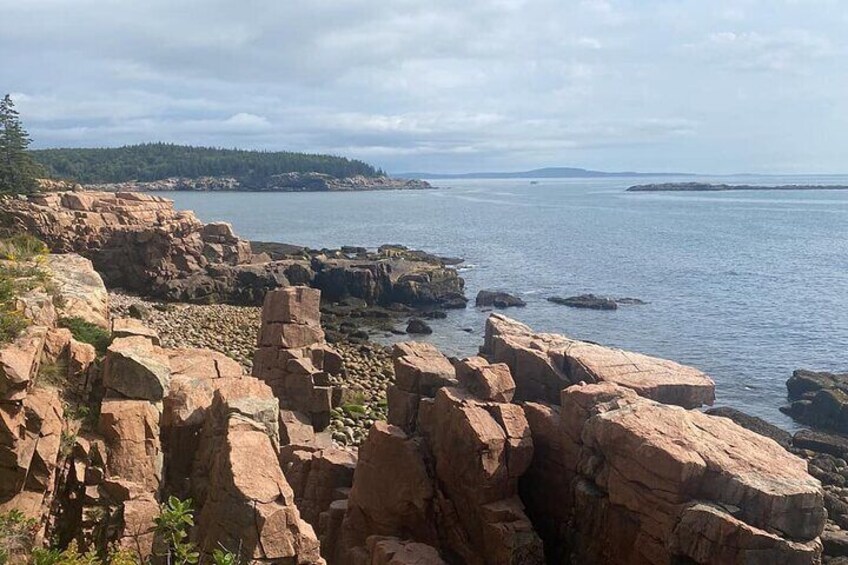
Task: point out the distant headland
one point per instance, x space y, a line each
706 187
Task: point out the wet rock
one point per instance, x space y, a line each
589 301
819 399
418 326
497 299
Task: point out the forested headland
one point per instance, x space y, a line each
157 161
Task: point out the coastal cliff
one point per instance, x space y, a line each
138 242
541 449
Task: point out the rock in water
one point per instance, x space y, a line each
418 326
818 399
589 301
498 299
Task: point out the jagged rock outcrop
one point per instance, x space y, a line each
138 242
631 480
455 469
32 420
292 357
244 499
606 475
544 364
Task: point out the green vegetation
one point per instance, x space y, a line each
86 332
157 161
20 272
18 170
173 523
17 535
22 247
72 556
175 520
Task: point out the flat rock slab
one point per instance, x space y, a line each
82 290
682 455
544 364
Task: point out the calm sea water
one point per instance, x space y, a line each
746 286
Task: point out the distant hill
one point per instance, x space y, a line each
544 173
158 161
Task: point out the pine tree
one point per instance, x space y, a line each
18 171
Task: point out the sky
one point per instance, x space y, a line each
715 86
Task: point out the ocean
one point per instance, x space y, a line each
746 286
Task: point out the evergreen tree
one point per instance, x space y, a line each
18 171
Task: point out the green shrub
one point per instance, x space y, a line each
17 535
53 373
87 332
22 247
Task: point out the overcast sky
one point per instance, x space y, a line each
444 85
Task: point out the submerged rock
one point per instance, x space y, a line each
589 301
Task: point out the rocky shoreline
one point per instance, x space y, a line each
300 440
286 182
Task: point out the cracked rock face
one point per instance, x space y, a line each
658 483
543 364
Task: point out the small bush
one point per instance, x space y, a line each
354 409
17 535
54 373
22 247
12 323
87 332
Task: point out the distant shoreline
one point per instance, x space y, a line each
706 187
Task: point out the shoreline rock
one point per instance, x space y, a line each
707 187
284 182
139 242
497 299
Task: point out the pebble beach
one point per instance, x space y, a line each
232 330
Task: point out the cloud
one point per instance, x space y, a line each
720 86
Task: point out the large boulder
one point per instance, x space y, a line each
544 364
131 431
83 294
661 484
135 368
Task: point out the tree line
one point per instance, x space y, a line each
157 161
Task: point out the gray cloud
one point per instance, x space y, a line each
617 84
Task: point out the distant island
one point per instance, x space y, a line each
165 166
706 187
544 173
